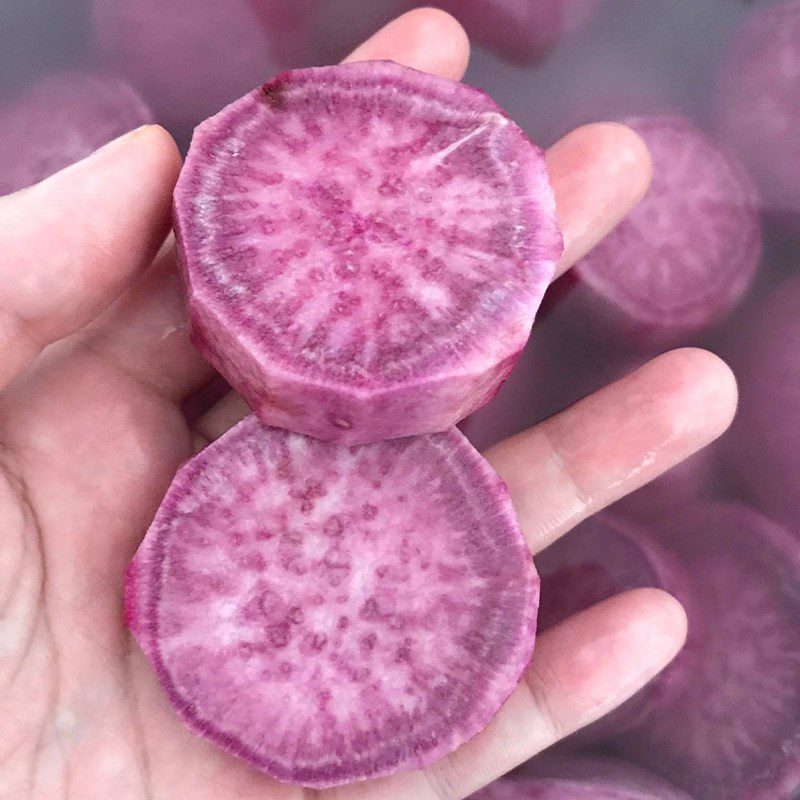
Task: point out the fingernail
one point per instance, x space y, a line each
124 139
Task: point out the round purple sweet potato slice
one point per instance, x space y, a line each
764 443
686 255
333 613
728 725
580 778
60 120
365 248
758 103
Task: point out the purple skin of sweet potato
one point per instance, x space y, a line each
520 30
187 57
758 103
332 613
685 256
365 248
60 120
764 443
580 778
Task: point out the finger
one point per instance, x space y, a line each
426 39
147 335
599 173
221 418
568 467
581 670
72 243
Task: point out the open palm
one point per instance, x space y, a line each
95 363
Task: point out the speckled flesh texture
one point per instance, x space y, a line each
189 58
602 557
687 253
329 613
730 728
365 249
60 120
759 102
764 444
580 778
520 30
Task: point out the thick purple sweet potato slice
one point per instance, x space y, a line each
60 120
580 778
365 248
520 30
764 443
330 613
188 57
686 254
758 102
728 725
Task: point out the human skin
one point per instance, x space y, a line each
96 363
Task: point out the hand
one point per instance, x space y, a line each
96 362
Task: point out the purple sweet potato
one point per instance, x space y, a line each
332 613
365 249
723 720
764 443
727 724
685 255
520 30
580 778
187 57
758 102
60 120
